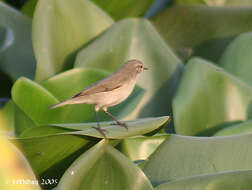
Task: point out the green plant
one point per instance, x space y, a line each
199 61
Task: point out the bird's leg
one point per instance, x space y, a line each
117 122
98 128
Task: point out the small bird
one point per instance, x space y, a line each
109 91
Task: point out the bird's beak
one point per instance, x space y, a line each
145 68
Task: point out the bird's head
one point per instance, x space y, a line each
134 66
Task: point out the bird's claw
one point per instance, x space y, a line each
102 131
121 124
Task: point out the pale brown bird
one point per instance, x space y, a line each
109 91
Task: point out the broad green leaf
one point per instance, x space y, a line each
71 82
14 167
33 100
60 28
29 7
137 39
137 127
8 115
182 156
242 128
51 155
232 180
22 121
44 130
190 1
236 59
16 54
208 99
117 9
126 8
217 2
141 147
103 167
202 30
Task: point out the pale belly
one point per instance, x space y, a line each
111 98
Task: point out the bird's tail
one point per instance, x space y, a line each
59 104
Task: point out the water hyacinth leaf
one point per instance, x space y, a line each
34 101
15 39
8 115
140 147
15 171
117 9
236 59
190 30
43 130
59 30
182 156
232 180
241 128
69 83
188 2
137 39
22 121
29 7
51 155
217 2
103 167
136 127
208 99
126 8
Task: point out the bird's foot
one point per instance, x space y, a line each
102 131
121 124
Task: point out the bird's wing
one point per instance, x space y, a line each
108 84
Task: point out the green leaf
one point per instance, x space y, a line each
228 180
208 99
217 2
103 167
126 8
43 130
242 128
16 54
49 148
117 9
137 39
182 156
51 155
32 100
236 59
204 31
8 115
136 127
29 7
60 28
15 170
65 85
140 147
191 1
